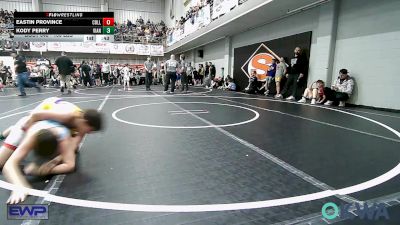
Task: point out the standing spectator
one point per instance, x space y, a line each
115 73
162 72
207 70
341 89
148 66
97 73
65 68
296 72
201 74
280 72
3 72
105 70
184 75
126 77
189 70
270 76
155 74
213 71
171 67
86 74
22 74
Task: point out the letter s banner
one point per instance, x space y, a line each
260 61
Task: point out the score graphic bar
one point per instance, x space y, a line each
64 23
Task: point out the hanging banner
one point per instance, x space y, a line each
72 46
100 48
55 46
156 50
142 49
38 46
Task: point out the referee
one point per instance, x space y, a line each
170 67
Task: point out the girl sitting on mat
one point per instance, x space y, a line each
315 92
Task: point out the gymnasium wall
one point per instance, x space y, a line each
178 9
132 9
71 5
368 44
19 5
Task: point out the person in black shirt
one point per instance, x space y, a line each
22 74
295 74
252 87
86 74
65 68
212 71
3 72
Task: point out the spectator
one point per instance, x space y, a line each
231 84
86 74
270 76
106 70
65 68
189 72
148 66
252 87
184 75
341 89
213 71
281 70
3 73
295 74
315 92
22 74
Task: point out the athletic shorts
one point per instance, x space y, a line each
16 135
56 104
278 78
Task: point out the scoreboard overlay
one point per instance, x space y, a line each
64 26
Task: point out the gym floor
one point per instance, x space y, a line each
216 148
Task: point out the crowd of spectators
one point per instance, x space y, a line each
191 15
6 23
140 31
292 79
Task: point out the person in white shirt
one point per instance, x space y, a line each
341 90
126 77
105 71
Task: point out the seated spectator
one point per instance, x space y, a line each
315 92
341 89
217 82
231 85
252 87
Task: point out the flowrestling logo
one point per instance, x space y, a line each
260 61
28 212
331 211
